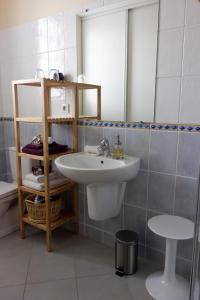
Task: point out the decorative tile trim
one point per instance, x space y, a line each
6 119
160 126
142 125
114 124
189 128
132 125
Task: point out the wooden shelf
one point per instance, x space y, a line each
46 120
61 221
88 117
55 83
40 120
57 120
53 191
38 157
30 120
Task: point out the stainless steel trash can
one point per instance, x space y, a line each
126 252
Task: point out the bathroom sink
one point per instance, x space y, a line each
105 180
88 168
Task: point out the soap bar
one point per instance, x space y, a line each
91 149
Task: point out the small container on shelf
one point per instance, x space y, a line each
37 210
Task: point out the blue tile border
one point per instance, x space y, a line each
131 125
6 119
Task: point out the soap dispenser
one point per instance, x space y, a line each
118 152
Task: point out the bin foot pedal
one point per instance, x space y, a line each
119 273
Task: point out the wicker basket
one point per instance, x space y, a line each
37 211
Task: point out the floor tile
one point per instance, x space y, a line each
136 283
111 287
47 266
108 287
60 290
50 266
13 270
12 293
94 261
12 245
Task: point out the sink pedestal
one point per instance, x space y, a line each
105 200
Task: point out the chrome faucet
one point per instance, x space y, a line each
104 148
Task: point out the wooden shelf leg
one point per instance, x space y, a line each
21 215
75 208
49 240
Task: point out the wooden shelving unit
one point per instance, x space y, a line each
46 120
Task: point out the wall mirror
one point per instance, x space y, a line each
118 50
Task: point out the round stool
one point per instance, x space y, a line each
168 285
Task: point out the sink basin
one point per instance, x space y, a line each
89 168
105 179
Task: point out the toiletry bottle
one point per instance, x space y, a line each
118 152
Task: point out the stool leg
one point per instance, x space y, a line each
169 274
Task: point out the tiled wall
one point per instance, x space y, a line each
167 184
178 85
51 43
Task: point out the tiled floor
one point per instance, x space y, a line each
78 269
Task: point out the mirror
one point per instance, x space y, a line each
118 51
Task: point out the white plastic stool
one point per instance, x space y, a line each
168 285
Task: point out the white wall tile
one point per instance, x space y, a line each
57 60
170 53
172 13
42 62
70 27
41 38
56 32
71 64
168 97
191 64
190 100
193 12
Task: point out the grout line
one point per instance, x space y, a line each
175 179
182 26
28 268
172 174
76 281
147 200
182 62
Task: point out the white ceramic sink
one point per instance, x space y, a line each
105 179
89 168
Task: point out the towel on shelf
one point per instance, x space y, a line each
41 178
35 146
38 149
41 186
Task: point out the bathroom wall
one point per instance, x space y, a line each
167 182
178 62
15 12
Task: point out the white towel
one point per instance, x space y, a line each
41 186
41 178
91 149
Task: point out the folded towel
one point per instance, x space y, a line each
90 149
41 186
41 178
38 150
34 146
